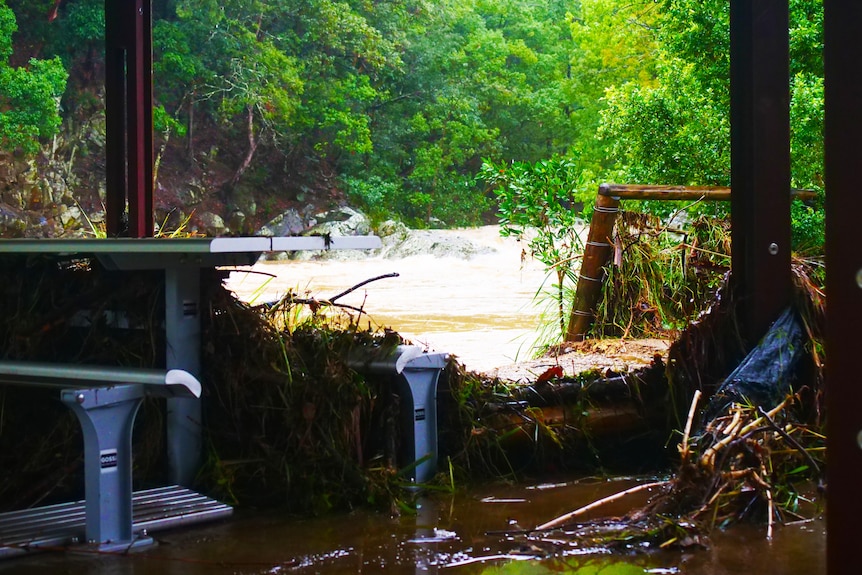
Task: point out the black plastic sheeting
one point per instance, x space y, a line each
767 374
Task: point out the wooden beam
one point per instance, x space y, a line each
760 161
686 193
843 86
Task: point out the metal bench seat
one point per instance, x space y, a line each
105 401
63 524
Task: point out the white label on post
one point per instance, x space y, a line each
108 460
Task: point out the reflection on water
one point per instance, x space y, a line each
461 533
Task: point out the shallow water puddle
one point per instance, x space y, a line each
462 533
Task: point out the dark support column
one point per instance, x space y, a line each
115 120
760 160
129 117
842 56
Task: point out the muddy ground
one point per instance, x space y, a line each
618 355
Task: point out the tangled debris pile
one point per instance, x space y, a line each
746 464
287 421
660 277
754 451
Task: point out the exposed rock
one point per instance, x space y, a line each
436 223
290 223
428 242
12 222
192 193
392 233
210 224
237 221
97 216
341 221
70 217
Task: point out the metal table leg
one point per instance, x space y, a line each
418 390
183 335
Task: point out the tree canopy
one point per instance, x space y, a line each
29 94
398 103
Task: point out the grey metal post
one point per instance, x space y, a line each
107 416
420 376
183 333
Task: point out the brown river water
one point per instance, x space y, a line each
481 310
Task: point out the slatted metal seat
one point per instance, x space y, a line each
105 401
64 524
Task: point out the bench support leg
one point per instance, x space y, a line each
183 329
419 420
106 416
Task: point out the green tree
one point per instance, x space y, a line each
615 44
222 54
481 79
536 204
293 77
677 131
29 95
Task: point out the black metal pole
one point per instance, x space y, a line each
128 117
760 160
843 86
115 120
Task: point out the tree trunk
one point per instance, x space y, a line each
246 161
249 155
191 130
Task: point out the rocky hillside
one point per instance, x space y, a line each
61 191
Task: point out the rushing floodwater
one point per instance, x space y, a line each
481 311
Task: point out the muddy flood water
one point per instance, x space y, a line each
481 310
457 534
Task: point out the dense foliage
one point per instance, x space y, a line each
677 131
28 94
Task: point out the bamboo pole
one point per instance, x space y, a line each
689 193
597 253
599 246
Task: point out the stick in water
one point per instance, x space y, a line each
684 449
564 518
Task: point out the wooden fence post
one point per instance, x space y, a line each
597 253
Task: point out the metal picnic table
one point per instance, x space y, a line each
182 260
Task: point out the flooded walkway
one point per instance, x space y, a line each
450 533
481 310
